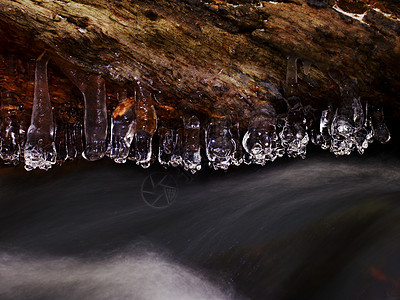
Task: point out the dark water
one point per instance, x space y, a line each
322 228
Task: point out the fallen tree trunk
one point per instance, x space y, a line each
217 57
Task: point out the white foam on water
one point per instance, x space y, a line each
128 276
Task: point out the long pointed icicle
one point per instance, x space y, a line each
93 88
40 151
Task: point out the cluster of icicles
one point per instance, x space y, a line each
134 123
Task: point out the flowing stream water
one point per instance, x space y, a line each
320 228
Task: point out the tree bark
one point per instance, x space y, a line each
217 57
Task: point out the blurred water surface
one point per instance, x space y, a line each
320 228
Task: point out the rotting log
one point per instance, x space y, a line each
215 57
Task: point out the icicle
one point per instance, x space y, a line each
170 147
237 158
40 151
347 130
123 127
380 131
291 76
9 141
191 145
325 128
294 136
176 158
260 141
145 128
166 145
93 89
220 146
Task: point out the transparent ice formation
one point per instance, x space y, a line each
294 136
191 156
93 89
170 147
348 131
237 158
123 127
40 151
325 128
261 140
220 146
146 125
166 145
9 141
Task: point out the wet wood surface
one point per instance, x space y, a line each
217 57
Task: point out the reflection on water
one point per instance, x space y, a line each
315 229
